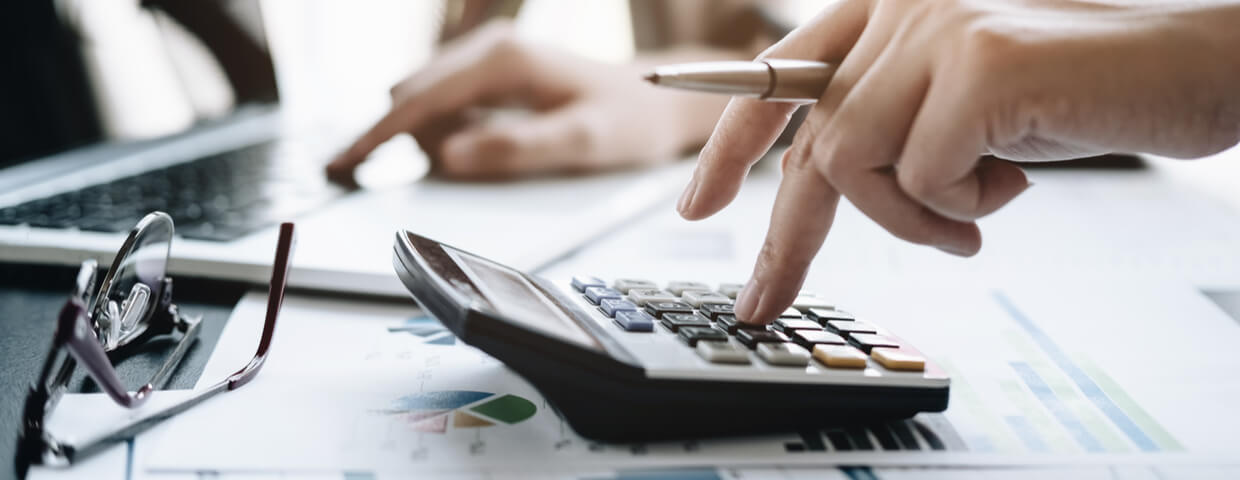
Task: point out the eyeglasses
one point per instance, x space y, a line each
132 305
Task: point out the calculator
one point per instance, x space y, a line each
630 359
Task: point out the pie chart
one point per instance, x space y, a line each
439 411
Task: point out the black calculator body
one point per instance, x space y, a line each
669 362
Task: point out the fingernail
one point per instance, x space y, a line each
686 198
746 302
954 250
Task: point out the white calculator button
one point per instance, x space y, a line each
698 297
784 354
722 352
679 288
731 290
642 296
626 284
805 302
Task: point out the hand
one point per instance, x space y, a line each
587 115
926 87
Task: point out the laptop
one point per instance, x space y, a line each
97 137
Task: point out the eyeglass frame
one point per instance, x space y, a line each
76 340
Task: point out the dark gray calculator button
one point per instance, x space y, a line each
867 341
823 315
809 338
658 309
581 283
714 310
730 324
751 338
675 321
787 325
597 294
691 335
634 321
846 327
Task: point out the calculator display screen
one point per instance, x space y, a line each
517 299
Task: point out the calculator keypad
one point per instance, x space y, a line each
811 332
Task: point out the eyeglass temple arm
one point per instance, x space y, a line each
275 299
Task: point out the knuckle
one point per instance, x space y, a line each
916 183
989 49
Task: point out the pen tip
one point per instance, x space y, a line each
651 77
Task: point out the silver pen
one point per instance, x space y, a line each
772 79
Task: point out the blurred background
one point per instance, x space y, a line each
122 70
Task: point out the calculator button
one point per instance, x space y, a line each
895 359
809 338
679 288
867 341
839 356
581 283
730 290
805 302
714 310
845 327
823 315
787 325
674 321
597 294
626 284
610 306
730 324
634 321
722 352
642 296
790 313
691 335
783 354
751 338
698 297
658 309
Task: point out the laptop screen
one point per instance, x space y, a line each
79 72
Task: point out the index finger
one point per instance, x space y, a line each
471 80
749 127
802 216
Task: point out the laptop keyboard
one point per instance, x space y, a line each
219 198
